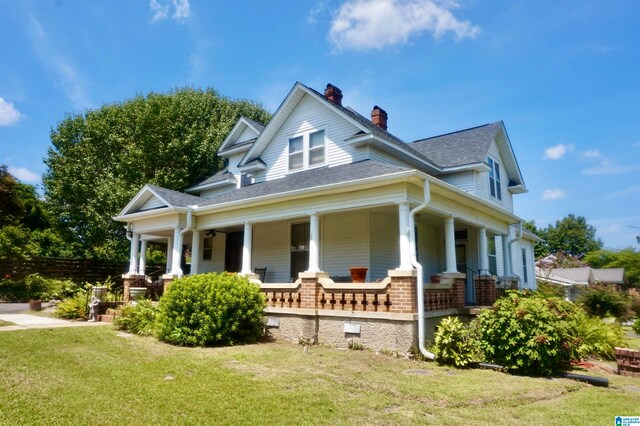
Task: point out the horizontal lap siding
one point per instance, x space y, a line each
152 203
246 135
217 264
384 237
271 250
428 253
310 115
483 183
345 242
463 180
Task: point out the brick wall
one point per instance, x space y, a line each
486 291
628 361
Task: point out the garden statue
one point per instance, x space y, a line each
93 307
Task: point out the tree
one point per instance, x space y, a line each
629 259
100 159
571 235
540 248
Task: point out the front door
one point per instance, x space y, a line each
461 264
233 251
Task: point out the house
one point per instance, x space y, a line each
321 189
575 280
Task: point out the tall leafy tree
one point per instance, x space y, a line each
629 259
571 235
98 160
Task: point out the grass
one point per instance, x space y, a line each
5 323
92 375
633 340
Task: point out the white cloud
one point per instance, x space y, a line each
557 152
374 24
592 153
553 194
608 168
24 174
9 115
65 75
179 10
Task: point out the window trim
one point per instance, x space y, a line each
525 273
306 150
495 182
204 249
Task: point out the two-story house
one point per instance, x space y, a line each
321 189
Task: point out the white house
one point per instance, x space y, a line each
320 189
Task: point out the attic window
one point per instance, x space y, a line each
307 150
494 178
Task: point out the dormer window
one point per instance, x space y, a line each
494 178
306 151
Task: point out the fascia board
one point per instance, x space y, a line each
478 167
228 181
251 167
233 150
236 127
512 154
137 197
147 214
370 139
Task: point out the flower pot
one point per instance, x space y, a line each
435 279
137 293
99 292
358 274
35 305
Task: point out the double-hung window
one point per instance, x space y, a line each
307 150
494 178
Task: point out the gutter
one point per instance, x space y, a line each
418 266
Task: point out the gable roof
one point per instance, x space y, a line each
229 144
221 178
459 148
156 197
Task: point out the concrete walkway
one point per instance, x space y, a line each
27 321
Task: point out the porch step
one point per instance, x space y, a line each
105 318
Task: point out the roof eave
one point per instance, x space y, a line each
228 181
148 214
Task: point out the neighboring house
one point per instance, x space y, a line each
320 189
575 280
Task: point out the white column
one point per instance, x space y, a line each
450 245
506 256
246 249
314 243
483 250
133 253
405 245
169 254
143 257
195 251
177 252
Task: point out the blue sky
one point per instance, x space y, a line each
562 75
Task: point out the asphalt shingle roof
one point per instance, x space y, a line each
259 126
219 176
175 198
459 148
306 180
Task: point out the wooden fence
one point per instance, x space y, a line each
77 270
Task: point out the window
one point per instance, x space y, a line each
207 248
493 259
525 275
306 151
494 178
299 248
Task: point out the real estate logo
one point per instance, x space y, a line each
627 421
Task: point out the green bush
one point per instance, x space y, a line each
636 326
602 300
137 319
13 290
547 289
634 306
528 334
37 287
211 309
75 307
456 344
593 338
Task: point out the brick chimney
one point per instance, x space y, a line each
379 117
334 94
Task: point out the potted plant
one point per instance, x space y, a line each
36 288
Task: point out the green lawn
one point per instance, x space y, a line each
5 323
91 376
633 341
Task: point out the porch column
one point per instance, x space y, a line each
195 251
506 256
169 254
405 246
177 252
246 249
314 243
143 257
450 245
133 253
483 251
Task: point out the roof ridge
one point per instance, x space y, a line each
454 132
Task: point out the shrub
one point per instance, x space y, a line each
636 326
211 309
634 306
13 290
528 334
456 344
37 287
602 300
593 337
547 289
137 319
75 307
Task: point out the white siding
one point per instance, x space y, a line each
271 249
499 255
382 157
428 253
482 182
462 180
384 249
210 193
518 267
234 160
217 263
152 203
246 135
310 115
345 242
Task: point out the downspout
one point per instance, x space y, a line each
517 237
189 225
418 266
